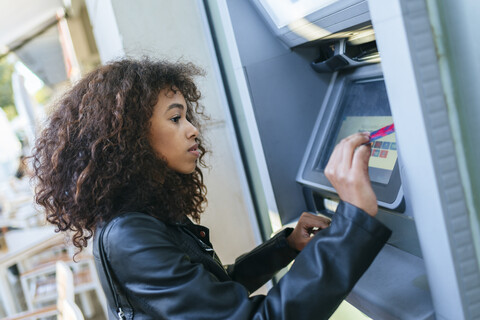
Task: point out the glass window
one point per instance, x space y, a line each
284 12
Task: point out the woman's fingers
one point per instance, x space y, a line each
350 144
307 225
340 162
309 220
347 171
361 158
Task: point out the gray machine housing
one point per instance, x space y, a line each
289 101
335 20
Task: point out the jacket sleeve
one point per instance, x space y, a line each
258 266
161 280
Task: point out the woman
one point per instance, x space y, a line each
121 159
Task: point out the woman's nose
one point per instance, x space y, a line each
192 131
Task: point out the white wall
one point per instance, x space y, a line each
105 29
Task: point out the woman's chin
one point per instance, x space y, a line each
185 170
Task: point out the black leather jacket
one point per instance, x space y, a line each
164 271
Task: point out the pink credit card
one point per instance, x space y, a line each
382 132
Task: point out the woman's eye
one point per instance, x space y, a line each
175 119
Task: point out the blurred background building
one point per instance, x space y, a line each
47 45
44 47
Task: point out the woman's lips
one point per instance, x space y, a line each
194 150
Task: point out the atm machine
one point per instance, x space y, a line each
301 75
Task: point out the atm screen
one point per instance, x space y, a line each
384 151
357 101
364 107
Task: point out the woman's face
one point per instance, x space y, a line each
172 136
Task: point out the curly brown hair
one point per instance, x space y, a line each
93 161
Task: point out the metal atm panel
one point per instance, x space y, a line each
357 101
295 108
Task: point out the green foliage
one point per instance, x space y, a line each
10 111
6 91
43 95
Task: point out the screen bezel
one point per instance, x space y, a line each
388 195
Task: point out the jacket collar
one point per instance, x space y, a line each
199 231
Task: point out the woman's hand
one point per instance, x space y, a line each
308 225
347 171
